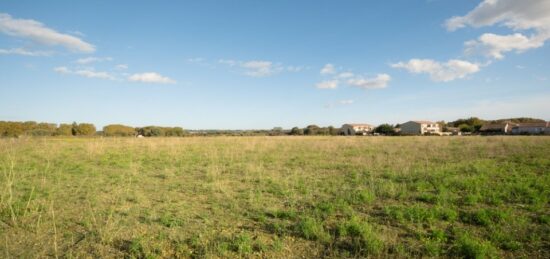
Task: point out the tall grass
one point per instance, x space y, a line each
275 197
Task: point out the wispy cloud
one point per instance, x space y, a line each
151 77
229 62
24 52
121 67
89 60
339 103
259 68
89 73
329 84
195 60
351 79
328 69
380 81
295 68
38 32
439 72
346 102
345 75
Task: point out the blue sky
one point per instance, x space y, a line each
262 64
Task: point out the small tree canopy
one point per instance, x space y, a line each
385 129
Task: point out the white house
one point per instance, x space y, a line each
531 128
355 129
496 128
420 128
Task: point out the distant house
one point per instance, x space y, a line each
454 131
356 129
531 128
496 128
420 128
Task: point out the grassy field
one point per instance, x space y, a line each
275 197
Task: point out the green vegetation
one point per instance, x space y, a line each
278 197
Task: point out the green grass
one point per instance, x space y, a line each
278 197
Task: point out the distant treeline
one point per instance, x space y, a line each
31 128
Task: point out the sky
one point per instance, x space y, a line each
263 64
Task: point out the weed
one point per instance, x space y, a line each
312 229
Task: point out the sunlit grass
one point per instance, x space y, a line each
275 197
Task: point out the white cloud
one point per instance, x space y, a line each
339 103
294 68
93 74
37 32
328 69
89 60
89 73
345 75
195 60
24 52
121 67
62 70
380 81
439 72
228 62
346 102
260 68
493 45
330 84
151 77
529 15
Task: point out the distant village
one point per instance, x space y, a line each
433 128
470 126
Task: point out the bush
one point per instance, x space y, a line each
118 130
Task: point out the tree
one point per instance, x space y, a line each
174 132
333 131
465 127
474 123
385 129
296 131
311 130
64 130
84 129
276 131
11 129
118 130
151 131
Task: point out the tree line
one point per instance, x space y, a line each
32 128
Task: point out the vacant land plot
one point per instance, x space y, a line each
275 197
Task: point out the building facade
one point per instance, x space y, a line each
420 128
496 128
531 128
356 129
